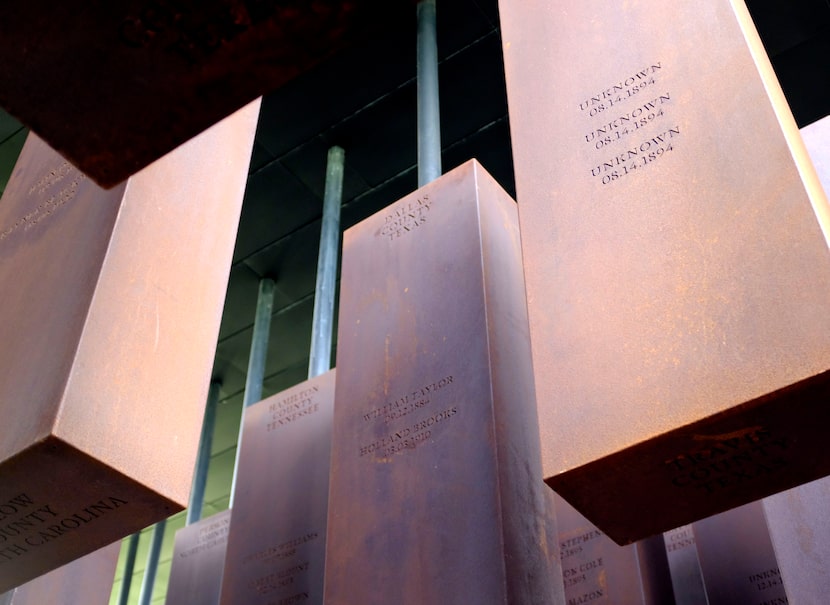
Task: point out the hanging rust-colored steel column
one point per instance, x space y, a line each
111 310
84 581
677 270
115 86
436 492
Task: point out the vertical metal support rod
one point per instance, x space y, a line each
129 567
429 120
149 581
322 322
256 360
259 342
197 492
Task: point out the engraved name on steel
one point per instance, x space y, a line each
594 568
737 558
198 560
679 298
434 497
277 542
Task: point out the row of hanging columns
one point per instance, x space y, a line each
253 393
295 458
320 357
323 315
429 168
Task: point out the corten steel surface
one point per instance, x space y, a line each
198 561
678 278
552 547
435 493
798 518
85 581
111 309
596 570
654 571
277 542
684 566
115 85
800 532
737 559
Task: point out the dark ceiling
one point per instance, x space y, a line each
364 100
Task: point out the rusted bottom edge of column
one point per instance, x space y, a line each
751 451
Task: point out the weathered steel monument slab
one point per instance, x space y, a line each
678 277
596 570
85 581
800 534
737 559
435 493
684 566
111 309
552 548
115 86
798 518
277 543
198 561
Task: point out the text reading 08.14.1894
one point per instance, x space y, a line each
647 125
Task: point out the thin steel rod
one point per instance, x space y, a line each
129 567
429 120
259 342
197 492
149 580
322 322
256 360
